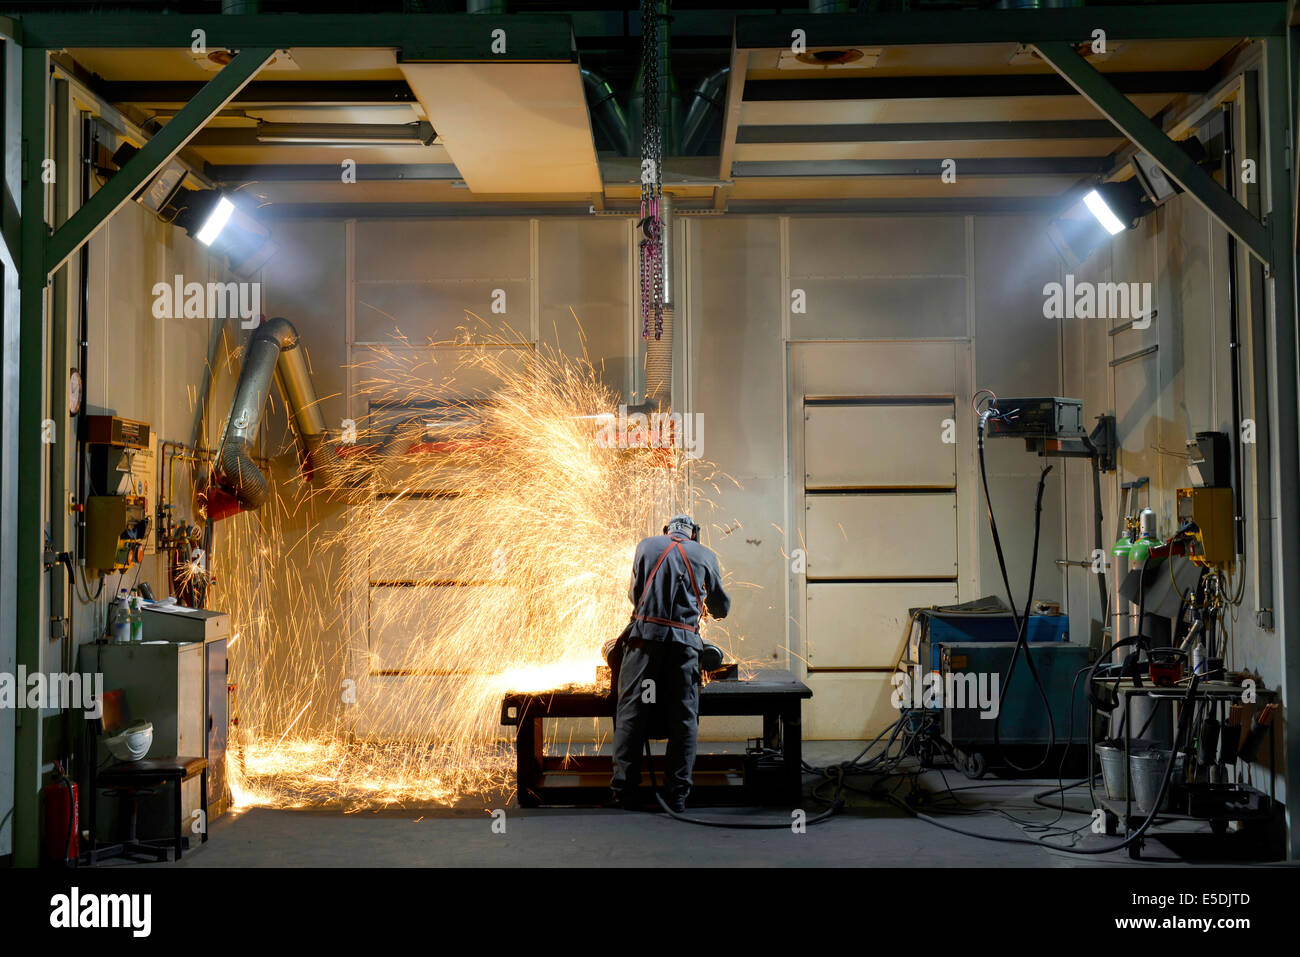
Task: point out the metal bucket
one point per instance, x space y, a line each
1111 758
1148 771
1112 771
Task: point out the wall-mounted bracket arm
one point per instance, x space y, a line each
1149 138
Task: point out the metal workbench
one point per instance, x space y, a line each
774 695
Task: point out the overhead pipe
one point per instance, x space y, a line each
707 103
609 114
273 353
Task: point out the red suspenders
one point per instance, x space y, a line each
645 590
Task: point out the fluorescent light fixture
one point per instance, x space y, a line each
216 221
348 134
1097 206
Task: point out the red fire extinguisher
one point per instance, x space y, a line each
62 820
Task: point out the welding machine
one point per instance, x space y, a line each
986 619
972 674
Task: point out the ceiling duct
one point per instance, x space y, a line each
273 353
705 112
607 112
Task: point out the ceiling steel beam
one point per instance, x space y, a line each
1149 138
154 155
1030 166
928 132
1069 25
432 37
265 92
857 206
388 135
330 172
947 87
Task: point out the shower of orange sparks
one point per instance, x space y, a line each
408 596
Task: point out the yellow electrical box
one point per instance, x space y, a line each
1211 510
116 529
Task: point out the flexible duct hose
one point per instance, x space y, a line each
272 353
659 364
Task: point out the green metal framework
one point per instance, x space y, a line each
531 38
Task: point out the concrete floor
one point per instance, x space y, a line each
867 833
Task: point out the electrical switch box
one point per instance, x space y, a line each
117 527
1211 509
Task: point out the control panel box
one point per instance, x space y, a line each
1040 417
1211 509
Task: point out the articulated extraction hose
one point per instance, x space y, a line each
273 352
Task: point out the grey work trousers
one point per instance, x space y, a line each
674 672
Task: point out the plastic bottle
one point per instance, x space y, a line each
137 619
119 618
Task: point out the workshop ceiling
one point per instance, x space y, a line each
511 127
874 131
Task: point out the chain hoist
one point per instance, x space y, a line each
652 147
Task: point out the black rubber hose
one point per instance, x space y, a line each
993 528
736 825
1021 622
1183 726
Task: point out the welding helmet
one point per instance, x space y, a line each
683 525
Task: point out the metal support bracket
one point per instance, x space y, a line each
154 155
1146 136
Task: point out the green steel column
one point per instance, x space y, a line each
1279 129
31 284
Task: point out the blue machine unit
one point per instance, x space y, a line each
938 625
1023 716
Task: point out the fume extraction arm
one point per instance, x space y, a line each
237 483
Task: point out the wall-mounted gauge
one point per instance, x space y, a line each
74 392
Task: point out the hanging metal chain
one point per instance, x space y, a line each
652 147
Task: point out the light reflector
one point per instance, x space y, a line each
216 221
1097 206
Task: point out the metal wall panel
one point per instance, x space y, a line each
442 248
887 535
877 277
443 310
860 624
397 520
877 245
439 280
900 308
406 622
584 293
731 332
1018 353
386 374
878 444
848 707
843 627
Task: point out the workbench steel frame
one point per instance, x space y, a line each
776 696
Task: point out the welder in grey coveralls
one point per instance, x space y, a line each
664 647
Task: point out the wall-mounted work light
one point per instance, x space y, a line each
215 218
